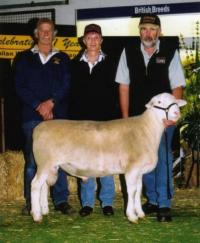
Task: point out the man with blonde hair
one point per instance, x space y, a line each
42 80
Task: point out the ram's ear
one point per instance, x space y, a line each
181 102
150 103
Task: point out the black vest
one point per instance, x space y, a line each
93 96
149 81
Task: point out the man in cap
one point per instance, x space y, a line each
93 98
149 67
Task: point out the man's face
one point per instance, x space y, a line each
45 34
149 34
93 41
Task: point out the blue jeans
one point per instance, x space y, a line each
59 191
106 195
158 184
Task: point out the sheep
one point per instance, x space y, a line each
95 149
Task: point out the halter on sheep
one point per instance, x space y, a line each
95 149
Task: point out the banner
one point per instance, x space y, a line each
136 11
10 45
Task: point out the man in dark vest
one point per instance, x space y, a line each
147 68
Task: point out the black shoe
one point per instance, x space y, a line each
108 210
164 215
26 210
85 211
65 208
149 208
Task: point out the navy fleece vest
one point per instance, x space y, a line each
149 81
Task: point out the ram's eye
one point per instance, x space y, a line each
159 102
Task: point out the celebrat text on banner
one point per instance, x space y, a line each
10 45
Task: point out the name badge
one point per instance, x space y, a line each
160 60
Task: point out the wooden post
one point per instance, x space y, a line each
2 126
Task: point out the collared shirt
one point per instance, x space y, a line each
176 73
44 59
100 58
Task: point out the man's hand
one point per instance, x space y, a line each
168 123
45 109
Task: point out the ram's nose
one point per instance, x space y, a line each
177 114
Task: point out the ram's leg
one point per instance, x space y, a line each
36 187
44 199
131 180
138 206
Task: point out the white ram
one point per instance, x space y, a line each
95 149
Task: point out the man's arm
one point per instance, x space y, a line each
178 92
22 86
62 92
123 79
124 99
177 80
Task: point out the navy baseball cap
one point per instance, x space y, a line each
92 28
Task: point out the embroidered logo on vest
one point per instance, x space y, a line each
56 60
160 60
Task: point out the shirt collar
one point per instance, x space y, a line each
99 59
44 59
35 49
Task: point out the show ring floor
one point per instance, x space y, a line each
56 227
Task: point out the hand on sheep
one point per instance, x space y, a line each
45 109
168 123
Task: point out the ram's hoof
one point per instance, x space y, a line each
141 215
45 211
37 218
133 219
